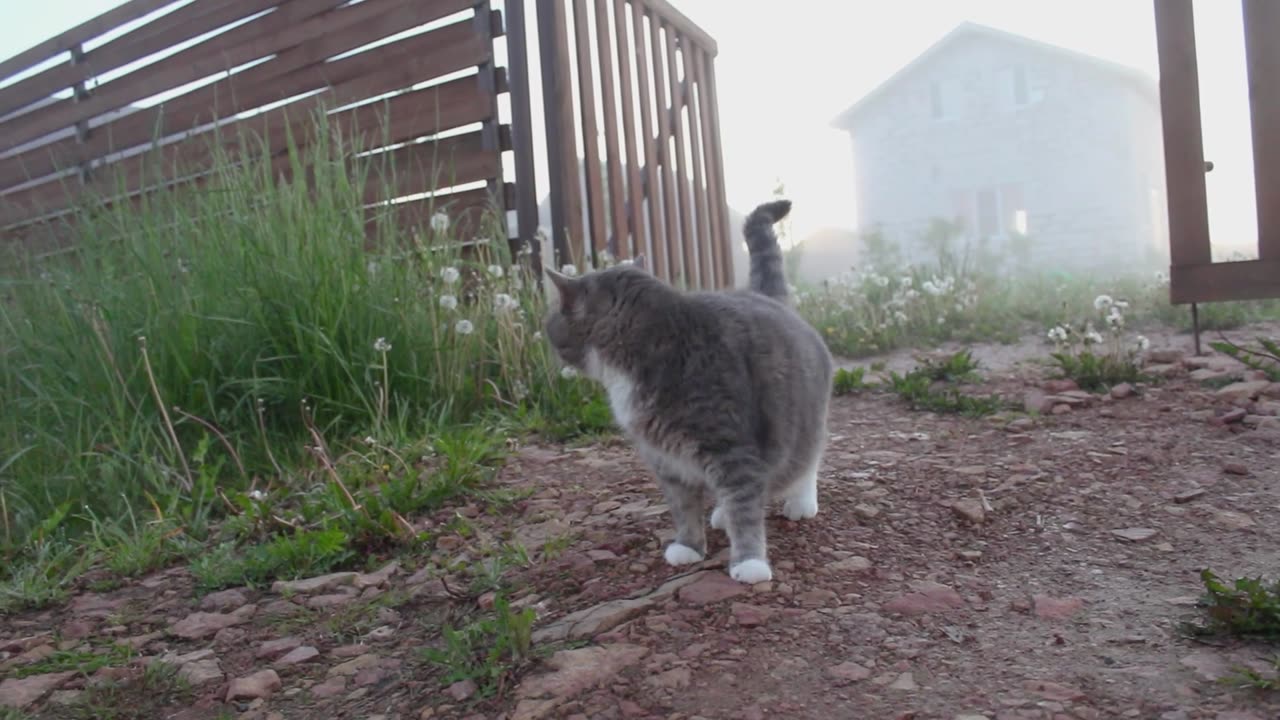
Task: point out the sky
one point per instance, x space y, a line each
783 75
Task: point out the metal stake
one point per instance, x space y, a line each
1195 325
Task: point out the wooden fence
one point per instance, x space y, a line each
83 118
658 187
150 93
1194 277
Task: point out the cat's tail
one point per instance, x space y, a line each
766 276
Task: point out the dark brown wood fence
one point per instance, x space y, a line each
151 93
1194 277
389 72
643 76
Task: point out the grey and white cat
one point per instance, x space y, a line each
723 394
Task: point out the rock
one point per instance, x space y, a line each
711 588
673 679
818 597
1231 416
849 671
22 692
370 676
970 511
905 681
1243 391
1164 356
1051 608
330 600
1235 468
1187 496
1062 409
200 625
314 584
277 647
297 656
592 621
1034 401
1135 534
376 579
349 651
202 671
750 615
1208 665
1122 391
929 598
462 690
331 687
1232 520
573 672
77 630
866 512
224 601
1162 370
250 687
1060 386
354 665
1055 691
853 564
969 555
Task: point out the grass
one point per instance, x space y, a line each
1248 607
849 380
142 696
85 662
241 367
931 387
1264 358
487 650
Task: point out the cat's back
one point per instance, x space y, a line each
754 322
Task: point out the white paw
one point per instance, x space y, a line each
677 555
800 508
751 572
717 518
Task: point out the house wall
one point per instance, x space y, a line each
1079 157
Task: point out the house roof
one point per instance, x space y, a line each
964 30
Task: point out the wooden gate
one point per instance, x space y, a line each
84 118
1194 277
658 187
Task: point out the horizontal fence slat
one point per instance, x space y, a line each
383 69
465 211
182 24
427 166
87 30
1224 281
284 28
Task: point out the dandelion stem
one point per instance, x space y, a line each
164 413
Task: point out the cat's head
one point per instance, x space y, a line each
587 308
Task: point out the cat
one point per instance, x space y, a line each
720 392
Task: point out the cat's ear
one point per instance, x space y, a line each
566 287
640 262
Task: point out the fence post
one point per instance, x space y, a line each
80 94
557 94
522 136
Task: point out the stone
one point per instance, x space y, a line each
970 511
1061 409
602 556
1135 534
1122 391
849 671
250 687
77 630
1051 608
711 588
1208 665
1060 386
1035 401
1231 417
224 601
354 665
376 579
906 681
852 564
818 597
592 621
297 656
462 690
277 647
370 676
573 672
1235 468
929 598
313 584
23 692
331 687
1232 520
750 615
201 672
330 600
200 625
1164 356
1055 691
1163 370
673 679
349 651
1187 496
866 512
1242 391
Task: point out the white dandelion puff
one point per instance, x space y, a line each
464 327
381 345
1143 343
450 275
257 495
568 372
503 302
496 271
1102 302
440 221
570 270
449 302
370 440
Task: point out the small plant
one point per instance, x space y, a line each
81 661
488 650
1265 358
1247 606
849 380
927 387
1096 363
137 697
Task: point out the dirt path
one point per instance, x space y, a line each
959 568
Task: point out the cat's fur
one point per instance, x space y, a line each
722 393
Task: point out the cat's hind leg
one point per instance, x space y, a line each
742 492
800 501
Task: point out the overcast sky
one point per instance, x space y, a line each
783 74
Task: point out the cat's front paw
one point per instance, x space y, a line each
751 572
717 518
677 555
800 508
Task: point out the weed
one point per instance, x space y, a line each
1253 679
488 650
138 697
81 661
851 380
927 387
1265 358
1096 363
1247 606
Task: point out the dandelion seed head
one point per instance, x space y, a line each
449 302
1102 302
568 372
381 345
464 327
496 271
450 275
570 270
440 221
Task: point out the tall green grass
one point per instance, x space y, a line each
186 344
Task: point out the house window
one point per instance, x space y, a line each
935 100
988 214
992 212
1021 95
